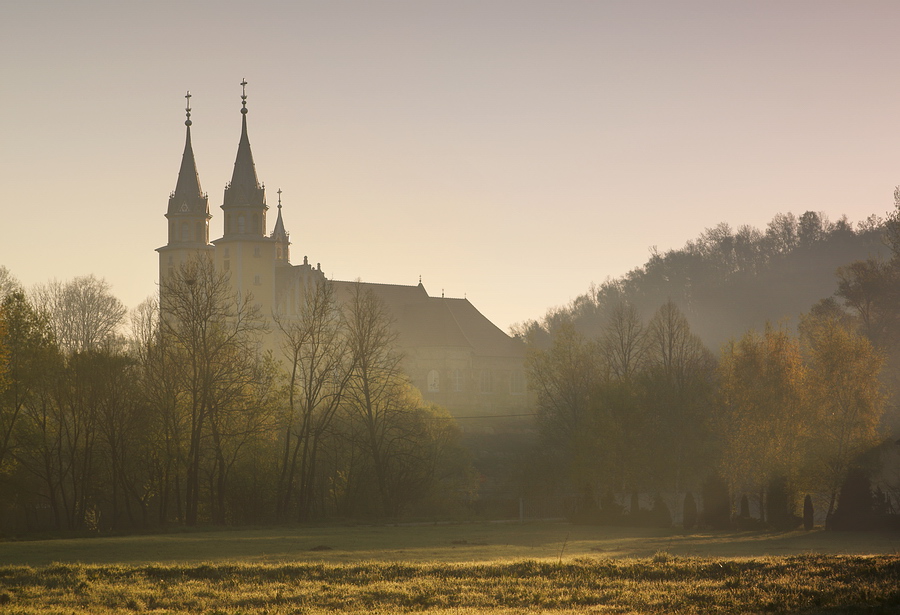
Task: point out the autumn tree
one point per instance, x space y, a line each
764 418
846 395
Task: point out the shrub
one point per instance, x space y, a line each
854 510
778 505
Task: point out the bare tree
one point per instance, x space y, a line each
678 388
378 393
83 313
566 378
319 362
624 341
159 382
214 335
8 282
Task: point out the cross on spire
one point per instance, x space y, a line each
187 109
279 198
244 96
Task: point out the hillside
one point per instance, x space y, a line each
727 282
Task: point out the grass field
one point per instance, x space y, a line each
469 568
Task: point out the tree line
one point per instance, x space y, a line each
631 401
187 419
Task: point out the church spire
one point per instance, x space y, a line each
188 197
244 189
281 237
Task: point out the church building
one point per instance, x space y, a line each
455 356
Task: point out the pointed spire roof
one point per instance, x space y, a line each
244 189
278 232
188 197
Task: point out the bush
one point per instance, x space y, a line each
779 511
854 510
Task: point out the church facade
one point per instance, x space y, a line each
452 353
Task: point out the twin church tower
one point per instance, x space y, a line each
250 256
453 354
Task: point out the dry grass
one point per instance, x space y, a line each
460 569
662 584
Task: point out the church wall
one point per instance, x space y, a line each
250 265
467 384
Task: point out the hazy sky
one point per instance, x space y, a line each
509 151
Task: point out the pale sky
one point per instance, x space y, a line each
512 152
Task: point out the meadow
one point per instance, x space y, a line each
463 568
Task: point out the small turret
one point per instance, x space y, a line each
282 238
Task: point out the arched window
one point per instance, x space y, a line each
200 232
240 228
185 232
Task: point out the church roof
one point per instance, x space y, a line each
278 232
244 189
188 196
188 185
437 322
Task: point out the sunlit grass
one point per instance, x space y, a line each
467 568
660 584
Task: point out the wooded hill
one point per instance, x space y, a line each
729 281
